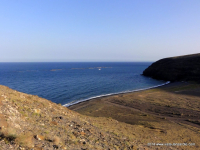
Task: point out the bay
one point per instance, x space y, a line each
67 82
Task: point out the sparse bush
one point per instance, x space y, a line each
56 140
8 133
11 134
25 140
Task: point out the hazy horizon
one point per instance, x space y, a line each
98 31
60 61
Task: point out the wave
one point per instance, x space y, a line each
110 94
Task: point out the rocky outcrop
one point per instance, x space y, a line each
181 68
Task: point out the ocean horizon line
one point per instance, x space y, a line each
78 62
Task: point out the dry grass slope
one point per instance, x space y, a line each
31 122
127 121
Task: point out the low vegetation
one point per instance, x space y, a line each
133 121
30 122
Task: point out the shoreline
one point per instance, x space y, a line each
112 94
176 102
125 119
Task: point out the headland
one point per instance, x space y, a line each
165 117
169 114
180 68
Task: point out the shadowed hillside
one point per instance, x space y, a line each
181 68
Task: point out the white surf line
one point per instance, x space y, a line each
110 94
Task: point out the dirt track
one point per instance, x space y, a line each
176 102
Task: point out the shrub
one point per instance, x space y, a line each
56 140
25 140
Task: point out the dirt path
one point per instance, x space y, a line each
145 108
176 102
175 119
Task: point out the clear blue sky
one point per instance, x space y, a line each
98 30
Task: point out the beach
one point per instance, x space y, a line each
177 101
167 112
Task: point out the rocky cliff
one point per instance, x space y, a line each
181 68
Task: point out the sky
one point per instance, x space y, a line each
98 30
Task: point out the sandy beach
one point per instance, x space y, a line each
171 113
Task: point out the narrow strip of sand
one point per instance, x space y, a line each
112 94
176 102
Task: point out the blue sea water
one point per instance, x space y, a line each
74 81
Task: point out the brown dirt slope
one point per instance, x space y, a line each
31 122
165 115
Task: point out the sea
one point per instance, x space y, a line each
69 83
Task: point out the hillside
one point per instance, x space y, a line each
30 122
181 68
132 121
165 118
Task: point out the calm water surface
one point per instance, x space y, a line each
70 82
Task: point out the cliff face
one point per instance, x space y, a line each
181 68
